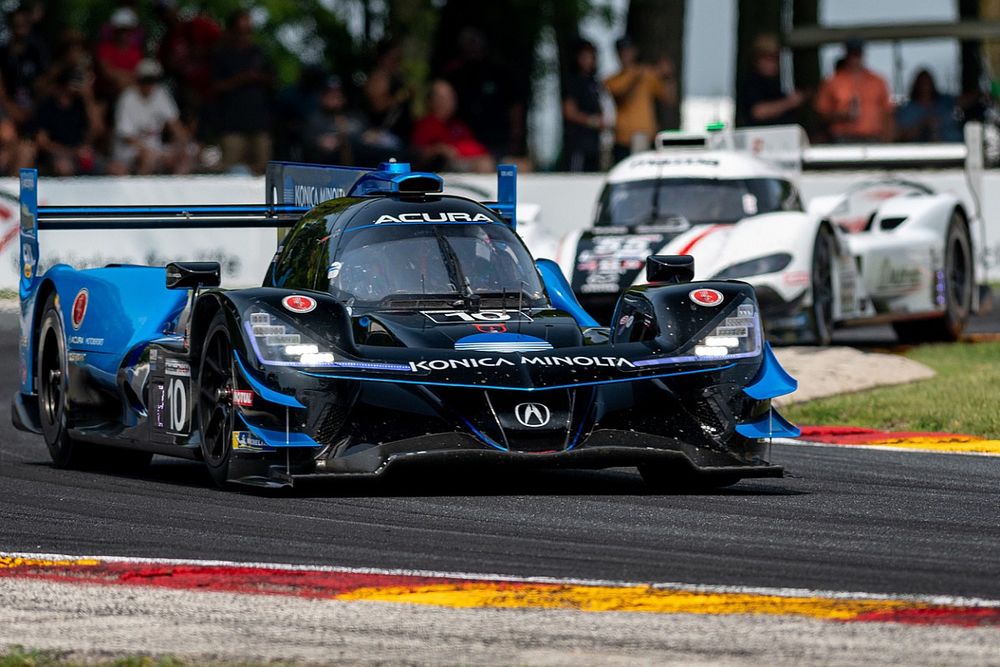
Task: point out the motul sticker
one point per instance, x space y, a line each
243 398
706 296
79 310
297 303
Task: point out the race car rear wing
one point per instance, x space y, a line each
300 184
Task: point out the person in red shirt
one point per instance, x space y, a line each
442 141
186 50
118 56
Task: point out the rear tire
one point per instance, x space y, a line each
214 411
52 380
958 286
821 284
668 479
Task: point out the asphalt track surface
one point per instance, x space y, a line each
843 520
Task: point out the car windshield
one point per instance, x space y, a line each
697 200
396 264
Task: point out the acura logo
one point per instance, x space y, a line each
532 415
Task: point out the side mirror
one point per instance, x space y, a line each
192 275
669 269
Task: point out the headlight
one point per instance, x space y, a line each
277 342
756 267
738 335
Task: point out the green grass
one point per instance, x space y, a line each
18 656
7 293
964 396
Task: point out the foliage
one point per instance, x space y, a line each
959 399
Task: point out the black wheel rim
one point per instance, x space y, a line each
214 407
50 374
822 286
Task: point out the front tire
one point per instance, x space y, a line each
958 286
52 380
821 282
215 413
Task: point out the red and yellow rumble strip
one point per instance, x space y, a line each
468 592
929 442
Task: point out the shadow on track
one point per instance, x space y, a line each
416 480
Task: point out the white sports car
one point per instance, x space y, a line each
887 250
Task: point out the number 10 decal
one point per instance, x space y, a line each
177 402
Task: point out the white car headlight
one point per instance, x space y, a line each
738 335
277 342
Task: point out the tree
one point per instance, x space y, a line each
657 28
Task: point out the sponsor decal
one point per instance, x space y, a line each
898 277
491 328
502 342
248 442
311 195
79 309
443 216
243 398
610 258
298 303
334 270
76 357
177 368
532 415
498 362
705 296
481 316
674 161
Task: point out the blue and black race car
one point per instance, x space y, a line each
394 324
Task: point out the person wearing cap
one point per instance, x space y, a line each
855 101
762 100
118 55
636 89
142 114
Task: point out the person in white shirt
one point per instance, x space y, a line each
142 114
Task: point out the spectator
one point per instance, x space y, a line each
442 141
636 89
143 113
487 97
71 56
243 80
388 96
186 51
118 53
15 150
23 59
855 101
67 123
928 115
762 101
331 129
583 118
